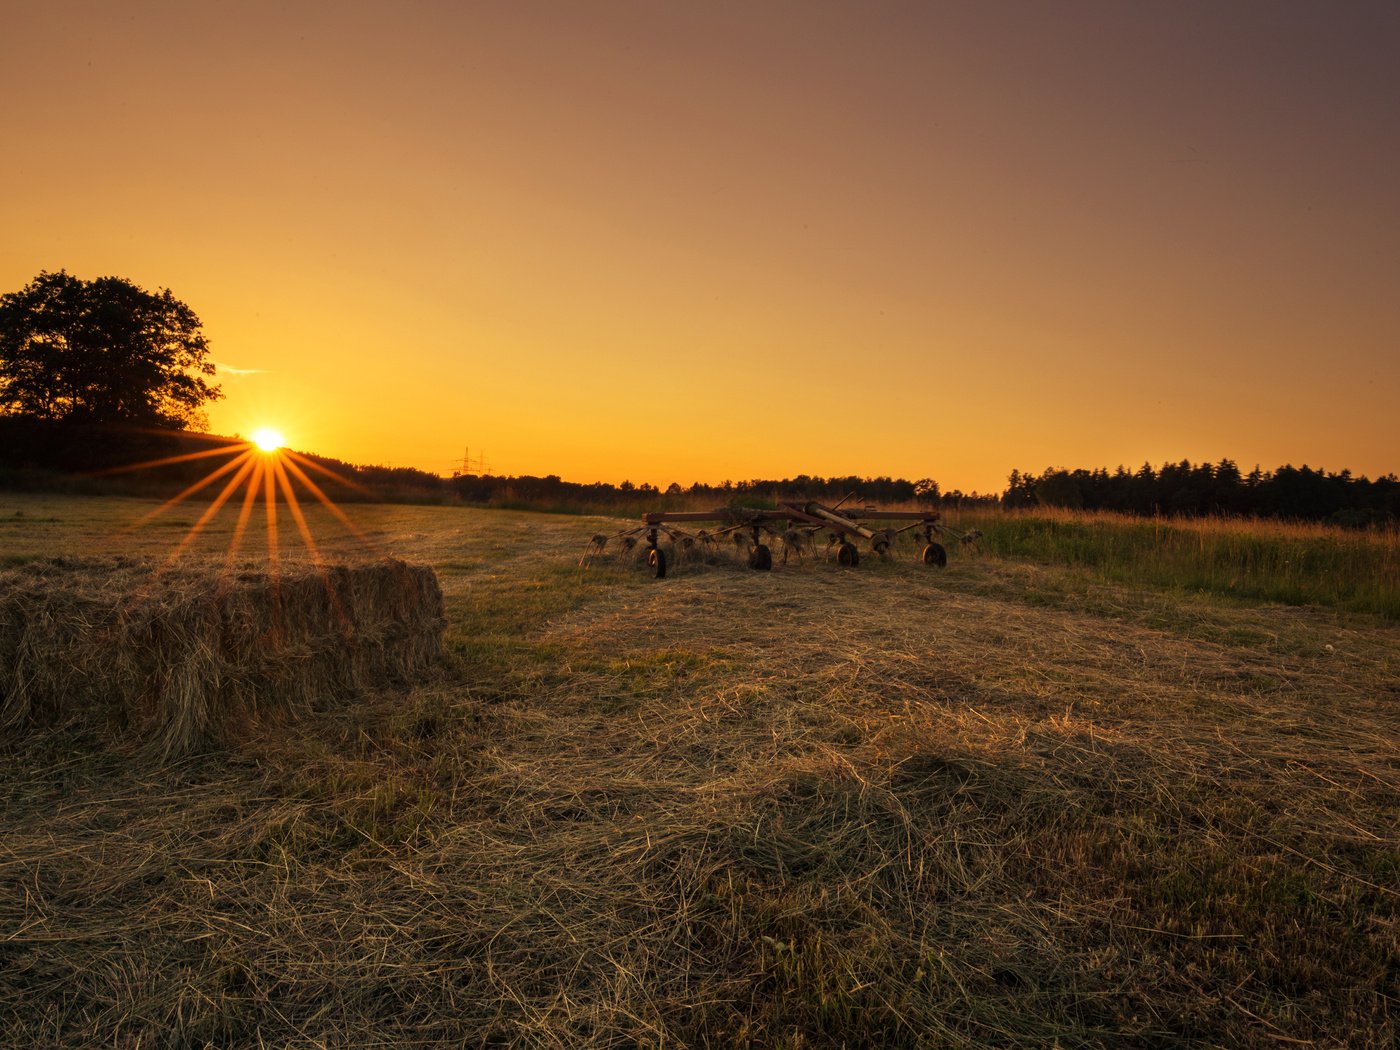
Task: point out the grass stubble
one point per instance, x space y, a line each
994 806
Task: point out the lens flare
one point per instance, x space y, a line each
268 440
266 472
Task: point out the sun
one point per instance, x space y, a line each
267 439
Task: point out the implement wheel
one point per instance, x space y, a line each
934 554
761 558
656 558
847 555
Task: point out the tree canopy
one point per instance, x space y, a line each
103 351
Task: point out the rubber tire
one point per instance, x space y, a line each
656 558
935 554
847 555
761 558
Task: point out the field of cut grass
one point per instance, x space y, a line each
1017 803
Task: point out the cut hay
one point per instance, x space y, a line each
993 809
181 661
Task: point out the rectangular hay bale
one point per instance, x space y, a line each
185 659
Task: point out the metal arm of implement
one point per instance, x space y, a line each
790 512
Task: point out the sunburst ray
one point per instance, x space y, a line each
307 462
294 508
270 503
245 512
202 483
225 450
328 503
213 508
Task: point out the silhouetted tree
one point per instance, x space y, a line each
1020 490
102 351
1059 488
926 489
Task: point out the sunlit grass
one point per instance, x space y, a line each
1235 558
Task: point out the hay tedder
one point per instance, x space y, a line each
793 526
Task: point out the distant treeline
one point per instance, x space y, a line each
553 492
86 457
1191 490
44 454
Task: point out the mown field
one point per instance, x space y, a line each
1029 801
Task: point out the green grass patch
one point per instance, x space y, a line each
1242 561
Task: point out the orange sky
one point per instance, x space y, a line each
696 242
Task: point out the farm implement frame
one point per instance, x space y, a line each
793 525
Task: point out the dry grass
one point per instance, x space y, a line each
888 807
185 660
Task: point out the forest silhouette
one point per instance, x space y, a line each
1185 489
54 454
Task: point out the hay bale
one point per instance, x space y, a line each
185 660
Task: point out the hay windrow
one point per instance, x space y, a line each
184 660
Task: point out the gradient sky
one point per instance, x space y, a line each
679 242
